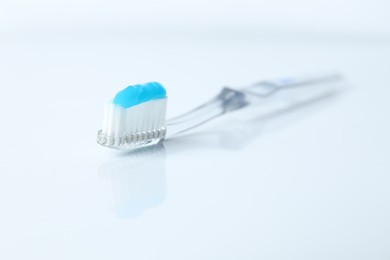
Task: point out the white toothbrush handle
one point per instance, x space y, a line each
229 100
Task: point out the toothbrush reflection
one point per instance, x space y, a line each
137 182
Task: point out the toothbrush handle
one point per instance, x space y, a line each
229 100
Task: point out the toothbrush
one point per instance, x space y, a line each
135 117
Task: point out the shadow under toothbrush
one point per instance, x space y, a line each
136 180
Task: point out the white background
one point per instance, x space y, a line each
309 183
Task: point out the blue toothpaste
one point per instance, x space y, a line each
140 93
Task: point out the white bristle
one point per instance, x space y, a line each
154 109
106 116
141 118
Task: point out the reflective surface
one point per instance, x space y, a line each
136 182
302 181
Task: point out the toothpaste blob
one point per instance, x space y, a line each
140 93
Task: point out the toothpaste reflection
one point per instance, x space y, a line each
136 183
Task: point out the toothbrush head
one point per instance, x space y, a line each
135 117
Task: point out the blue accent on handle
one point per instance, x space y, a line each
140 93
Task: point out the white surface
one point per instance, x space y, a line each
309 184
347 17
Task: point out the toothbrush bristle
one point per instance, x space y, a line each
127 128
